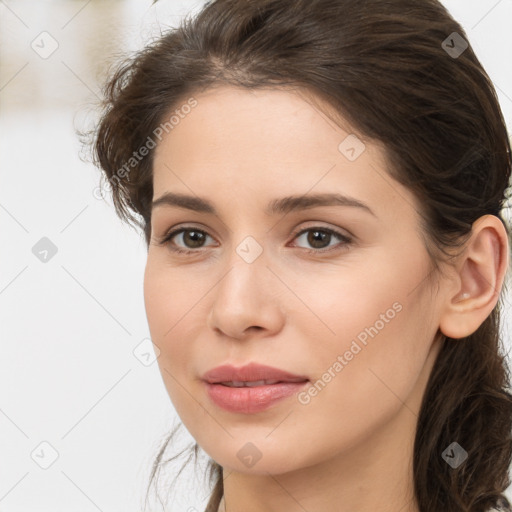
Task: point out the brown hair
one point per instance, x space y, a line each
398 73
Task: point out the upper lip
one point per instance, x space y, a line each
250 373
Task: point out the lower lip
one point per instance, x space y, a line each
250 400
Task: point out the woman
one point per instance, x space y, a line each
320 184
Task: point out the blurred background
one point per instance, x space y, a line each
83 408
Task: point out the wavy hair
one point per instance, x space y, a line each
400 72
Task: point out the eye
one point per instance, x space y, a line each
194 235
318 236
194 238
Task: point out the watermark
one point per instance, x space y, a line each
454 455
351 147
304 397
249 454
44 455
44 250
146 352
150 143
44 45
249 249
454 45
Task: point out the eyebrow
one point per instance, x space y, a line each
275 207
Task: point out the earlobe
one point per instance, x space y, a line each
480 273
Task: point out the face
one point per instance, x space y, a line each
336 292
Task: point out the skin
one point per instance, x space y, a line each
349 448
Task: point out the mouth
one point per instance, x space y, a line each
257 383
253 396
251 388
252 374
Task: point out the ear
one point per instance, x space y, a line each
480 272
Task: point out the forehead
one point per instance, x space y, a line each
269 124
267 142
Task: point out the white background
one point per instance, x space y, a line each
68 375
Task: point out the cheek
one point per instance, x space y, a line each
164 326
359 303
166 304
170 298
156 301
176 309
379 331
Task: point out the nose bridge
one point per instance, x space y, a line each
243 295
247 254
247 263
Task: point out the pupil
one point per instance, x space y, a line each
197 234
312 240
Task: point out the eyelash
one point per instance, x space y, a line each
166 239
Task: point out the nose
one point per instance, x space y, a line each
246 301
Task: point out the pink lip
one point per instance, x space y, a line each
250 372
250 400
